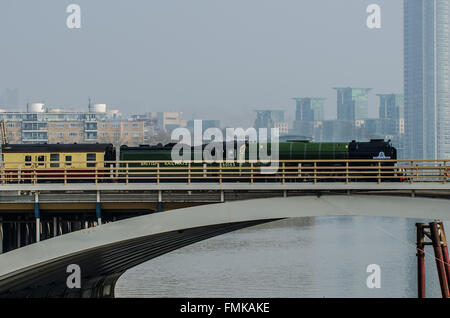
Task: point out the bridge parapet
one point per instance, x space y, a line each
280 171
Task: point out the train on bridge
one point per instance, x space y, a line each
82 161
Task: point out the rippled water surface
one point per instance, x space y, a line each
303 257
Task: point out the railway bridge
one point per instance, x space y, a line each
90 223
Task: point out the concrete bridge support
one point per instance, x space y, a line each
159 207
38 217
98 209
1 237
19 236
55 226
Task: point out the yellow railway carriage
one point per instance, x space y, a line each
52 161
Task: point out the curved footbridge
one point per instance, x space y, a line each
105 252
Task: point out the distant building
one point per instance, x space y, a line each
368 128
391 114
346 130
271 119
352 103
168 121
309 109
150 126
159 125
335 131
304 128
391 106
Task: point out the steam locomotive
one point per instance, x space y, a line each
77 160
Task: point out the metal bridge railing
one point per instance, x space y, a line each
281 171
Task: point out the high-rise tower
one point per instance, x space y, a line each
352 103
426 78
309 109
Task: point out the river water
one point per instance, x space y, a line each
302 257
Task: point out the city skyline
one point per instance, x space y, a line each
315 103
223 63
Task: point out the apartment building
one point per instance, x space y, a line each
14 132
120 132
40 125
65 132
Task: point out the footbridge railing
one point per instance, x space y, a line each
281 171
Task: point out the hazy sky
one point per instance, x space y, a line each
213 59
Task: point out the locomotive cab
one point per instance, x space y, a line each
375 149
376 152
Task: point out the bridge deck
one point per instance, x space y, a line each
235 186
